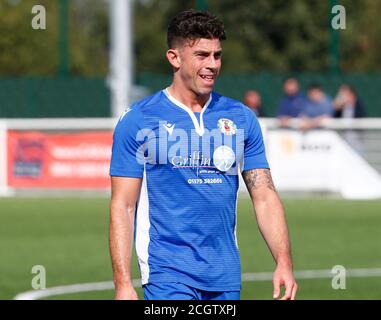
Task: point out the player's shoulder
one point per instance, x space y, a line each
226 101
137 110
233 106
143 104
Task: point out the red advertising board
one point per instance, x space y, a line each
59 160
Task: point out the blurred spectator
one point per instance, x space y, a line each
347 103
254 101
292 103
318 108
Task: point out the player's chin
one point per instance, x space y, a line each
205 90
204 93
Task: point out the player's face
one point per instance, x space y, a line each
200 64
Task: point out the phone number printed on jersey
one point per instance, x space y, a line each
205 180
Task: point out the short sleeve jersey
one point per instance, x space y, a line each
186 216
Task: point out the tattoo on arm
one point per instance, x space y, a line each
258 178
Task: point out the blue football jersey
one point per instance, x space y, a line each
186 217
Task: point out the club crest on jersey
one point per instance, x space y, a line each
227 126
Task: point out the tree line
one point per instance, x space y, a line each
263 36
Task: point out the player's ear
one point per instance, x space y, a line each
173 57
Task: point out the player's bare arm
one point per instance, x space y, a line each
272 224
125 192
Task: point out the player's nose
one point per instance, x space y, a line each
212 63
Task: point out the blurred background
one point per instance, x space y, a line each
62 71
70 68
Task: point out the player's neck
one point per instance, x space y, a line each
187 97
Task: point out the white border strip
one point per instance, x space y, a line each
109 123
143 225
261 276
61 123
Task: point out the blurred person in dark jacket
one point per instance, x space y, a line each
292 104
347 104
319 107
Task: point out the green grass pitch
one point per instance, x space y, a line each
68 236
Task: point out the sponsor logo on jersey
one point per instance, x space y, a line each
196 160
227 126
223 158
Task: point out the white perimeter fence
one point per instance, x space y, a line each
343 158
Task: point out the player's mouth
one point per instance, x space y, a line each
208 78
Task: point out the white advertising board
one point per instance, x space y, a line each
320 160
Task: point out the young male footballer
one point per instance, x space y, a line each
175 162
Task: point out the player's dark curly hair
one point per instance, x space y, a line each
192 25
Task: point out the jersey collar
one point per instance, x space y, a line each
199 127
